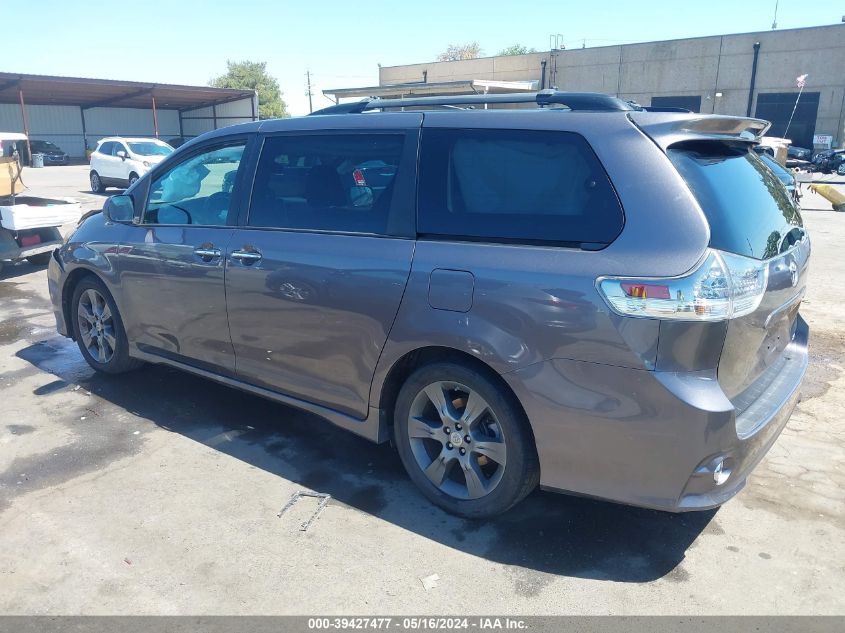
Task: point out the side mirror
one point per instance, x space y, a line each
122 154
119 209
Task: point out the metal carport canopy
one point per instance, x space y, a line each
94 93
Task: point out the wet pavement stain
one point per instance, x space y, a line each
19 429
827 357
11 331
94 448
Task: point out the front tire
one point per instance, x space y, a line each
96 183
464 440
98 328
133 178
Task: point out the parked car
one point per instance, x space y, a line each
799 153
119 162
53 154
596 299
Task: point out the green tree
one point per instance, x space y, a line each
517 49
247 75
455 52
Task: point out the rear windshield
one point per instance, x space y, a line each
145 148
515 186
749 210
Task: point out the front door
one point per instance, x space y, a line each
315 278
172 267
107 162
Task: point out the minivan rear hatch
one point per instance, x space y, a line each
751 214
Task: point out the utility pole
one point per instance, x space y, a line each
308 75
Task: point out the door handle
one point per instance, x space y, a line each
207 252
247 258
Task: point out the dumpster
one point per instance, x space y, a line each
38 160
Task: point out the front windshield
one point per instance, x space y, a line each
43 145
148 148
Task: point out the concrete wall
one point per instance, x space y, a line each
699 66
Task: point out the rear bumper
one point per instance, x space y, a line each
651 438
29 251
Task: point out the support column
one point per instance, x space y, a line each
25 125
214 115
155 115
84 133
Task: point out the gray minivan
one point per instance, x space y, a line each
580 294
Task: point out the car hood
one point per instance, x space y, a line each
155 160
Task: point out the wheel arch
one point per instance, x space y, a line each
422 356
69 287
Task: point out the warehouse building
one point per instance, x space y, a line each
749 74
74 112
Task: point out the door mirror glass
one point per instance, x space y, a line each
121 153
119 209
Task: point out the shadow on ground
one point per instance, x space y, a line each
548 533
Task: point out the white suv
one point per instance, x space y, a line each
119 162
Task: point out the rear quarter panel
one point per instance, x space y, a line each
534 303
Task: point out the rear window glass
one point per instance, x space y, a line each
327 182
748 208
515 185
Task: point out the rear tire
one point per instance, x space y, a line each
98 328
96 183
42 259
133 178
473 454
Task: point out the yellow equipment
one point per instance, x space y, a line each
837 199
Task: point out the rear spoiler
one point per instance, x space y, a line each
667 129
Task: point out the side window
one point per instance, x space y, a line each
118 147
197 191
106 148
515 185
338 182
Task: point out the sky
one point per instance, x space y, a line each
342 42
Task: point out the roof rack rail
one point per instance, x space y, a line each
587 101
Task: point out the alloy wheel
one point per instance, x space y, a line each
96 326
457 440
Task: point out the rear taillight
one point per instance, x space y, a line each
723 286
358 177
